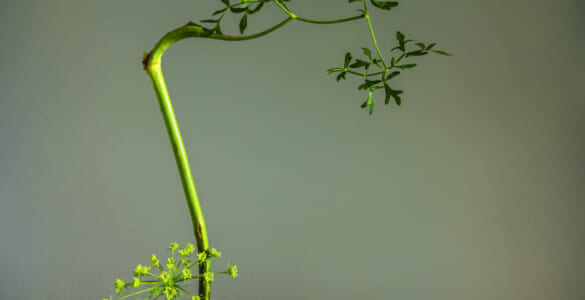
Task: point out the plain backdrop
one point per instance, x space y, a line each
474 188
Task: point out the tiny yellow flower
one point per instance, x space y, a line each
174 246
154 261
187 274
201 256
233 271
119 285
141 271
208 276
214 253
135 282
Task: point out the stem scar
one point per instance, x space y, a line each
199 229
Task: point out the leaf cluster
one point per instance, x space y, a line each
241 7
383 73
385 5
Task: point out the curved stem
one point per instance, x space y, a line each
329 21
284 8
152 66
292 15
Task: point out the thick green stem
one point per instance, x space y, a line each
199 228
152 66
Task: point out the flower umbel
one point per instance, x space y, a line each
166 283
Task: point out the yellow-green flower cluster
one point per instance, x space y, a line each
141 271
187 274
208 276
154 261
214 253
119 285
135 282
233 271
167 283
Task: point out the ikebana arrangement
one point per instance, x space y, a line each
171 280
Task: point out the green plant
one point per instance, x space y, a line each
167 283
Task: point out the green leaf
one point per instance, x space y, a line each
416 53
255 9
368 84
209 21
350 1
400 37
360 63
442 52
392 75
388 92
367 53
396 96
430 46
236 9
243 23
406 66
217 12
421 45
394 93
387 5
347 59
341 76
333 70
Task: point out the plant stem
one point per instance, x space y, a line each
292 15
372 34
134 294
155 73
152 66
329 21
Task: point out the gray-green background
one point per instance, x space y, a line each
473 189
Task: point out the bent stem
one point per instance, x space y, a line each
152 66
